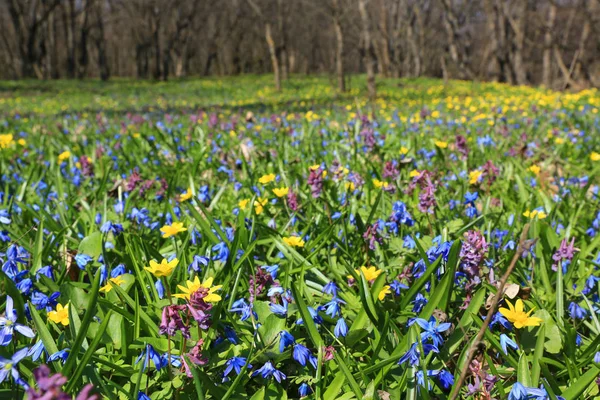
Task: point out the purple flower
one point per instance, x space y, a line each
171 322
315 181
565 252
472 253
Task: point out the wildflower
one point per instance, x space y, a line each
171 322
268 370
576 311
315 181
64 156
186 195
193 286
8 324
341 328
82 260
118 280
6 140
285 339
446 379
506 342
441 144
432 330
594 156
330 288
535 169
197 261
265 179
221 252
60 355
474 176
370 273
165 268
292 201
244 309
172 230
61 315
259 205
565 252
235 364
9 366
40 300
150 354
301 354
304 390
385 290
518 392
281 192
473 252
518 317
293 241
35 352
540 214
243 203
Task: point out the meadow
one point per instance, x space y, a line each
216 239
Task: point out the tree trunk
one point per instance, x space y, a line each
368 55
273 54
339 47
547 54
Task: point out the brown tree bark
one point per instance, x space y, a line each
339 46
368 54
547 54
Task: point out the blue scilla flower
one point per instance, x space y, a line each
235 364
82 260
432 330
241 307
506 342
220 252
45 271
41 301
304 390
60 355
278 309
341 329
285 339
198 262
315 316
9 324
333 308
268 371
330 288
149 354
576 311
9 366
445 379
302 354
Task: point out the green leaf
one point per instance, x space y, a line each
91 245
586 380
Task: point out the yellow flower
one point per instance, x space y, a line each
518 317
314 167
384 290
267 179
61 315
186 196
294 241
403 150
165 268
595 156
192 286
535 213
6 140
172 230
350 186
63 156
259 205
281 192
474 176
559 140
380 184
21 142
414 173
535 169
117 280
370 273
441 144
243 203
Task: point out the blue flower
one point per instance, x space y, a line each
4 217
412 356
8 324
285 340
446 379
35 352
505 341
150 354
419 302
302 354
160 289
9 366
221 252
315 316
518 392
197 262
333 307
576 311
268 370
60 355
304 390
341 329
235 364
432 330
271 269
40 300
82 260
143 396
331 288
241 307
278 309
396 286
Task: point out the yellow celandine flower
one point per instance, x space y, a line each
518 317
414 173
61 315
187 195
314 167
535 213
474 176
117 280
384 290
265 179
380 184
535 169
21 142
259 205
243 203
281 192
370 273
350 186
294 241
63 156
441 144
403 150
559 140
192 286
595 156
6 140
165 268
172 230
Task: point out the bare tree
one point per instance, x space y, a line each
368 53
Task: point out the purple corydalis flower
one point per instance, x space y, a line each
390 170
461 146
258 282
50 387
472 253
171 322
315 181
565 252
292 201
